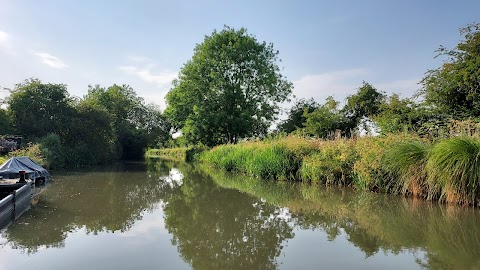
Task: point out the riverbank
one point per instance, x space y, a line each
447 170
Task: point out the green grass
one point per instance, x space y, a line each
265 160
405 164
447 170
454 169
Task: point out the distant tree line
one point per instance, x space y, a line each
106 124
450 92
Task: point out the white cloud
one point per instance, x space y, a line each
144 68
405 88
50 60
156 97
6 43
4 37
147 75
339 84
139 59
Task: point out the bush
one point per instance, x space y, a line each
53 151
333 164
32 151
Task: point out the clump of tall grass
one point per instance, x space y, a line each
405 165
332 164
454 169
272 160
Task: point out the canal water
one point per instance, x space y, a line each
167 215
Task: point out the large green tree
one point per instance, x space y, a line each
38 109
229 90
454 87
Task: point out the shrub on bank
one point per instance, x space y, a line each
332 163
178 153
32 151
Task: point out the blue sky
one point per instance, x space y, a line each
326 47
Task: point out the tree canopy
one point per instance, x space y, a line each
136 125
454 87
108 123
229 90
296 116
38 108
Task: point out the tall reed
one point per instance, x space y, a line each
454 169
405 164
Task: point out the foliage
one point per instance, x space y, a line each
38 109
369 171
107 124
53 151
365 103
229 90
332 164
324 121
177 153
6 126
90 139
33 151
190 153
297 115
272 160
395 114
136 126
454 87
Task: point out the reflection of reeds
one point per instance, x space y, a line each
448 234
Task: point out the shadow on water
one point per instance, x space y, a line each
219 220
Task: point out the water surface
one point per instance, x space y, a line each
166 215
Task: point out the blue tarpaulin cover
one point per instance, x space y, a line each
12 166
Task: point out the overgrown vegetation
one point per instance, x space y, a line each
60 130
447 170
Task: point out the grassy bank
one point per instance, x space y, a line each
447 170
191 153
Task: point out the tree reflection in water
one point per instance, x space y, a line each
220 220
217 228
